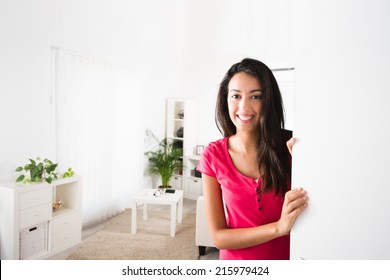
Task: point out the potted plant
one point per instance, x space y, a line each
165 160
41 170
38 170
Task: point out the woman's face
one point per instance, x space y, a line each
244 102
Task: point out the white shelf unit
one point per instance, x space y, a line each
193 184
29 226
188 141
188 123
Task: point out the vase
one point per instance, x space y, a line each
180 132
180 114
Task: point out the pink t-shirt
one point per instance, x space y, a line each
246 206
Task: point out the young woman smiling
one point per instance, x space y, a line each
246 175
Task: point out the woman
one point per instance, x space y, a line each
246 175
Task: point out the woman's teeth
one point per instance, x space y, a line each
245 117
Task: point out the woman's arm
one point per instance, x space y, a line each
226 238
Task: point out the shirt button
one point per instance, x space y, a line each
260 208
258 200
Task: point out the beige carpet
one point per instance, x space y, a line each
151 242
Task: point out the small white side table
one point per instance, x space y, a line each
146 197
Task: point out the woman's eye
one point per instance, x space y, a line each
256 97
235 96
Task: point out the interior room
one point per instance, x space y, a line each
93 85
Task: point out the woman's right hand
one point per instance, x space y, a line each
295 201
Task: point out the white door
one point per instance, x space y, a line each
342 122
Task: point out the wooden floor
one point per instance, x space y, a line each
189 206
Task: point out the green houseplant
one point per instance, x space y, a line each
165 160
41 170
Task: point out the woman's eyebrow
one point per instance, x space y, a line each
252 91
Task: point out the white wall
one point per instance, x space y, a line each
341 120
28 29
181 48
128 33
217 34
142 35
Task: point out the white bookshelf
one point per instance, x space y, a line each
188 141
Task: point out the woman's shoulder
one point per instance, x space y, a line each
213 157
217 144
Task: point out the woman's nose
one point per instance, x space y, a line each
243 105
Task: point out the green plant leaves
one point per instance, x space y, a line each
165 161
20 178
68 173
50 167
36 172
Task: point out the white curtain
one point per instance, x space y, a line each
99 131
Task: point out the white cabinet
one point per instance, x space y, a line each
65 231
181 127
29 226
193 186
177 182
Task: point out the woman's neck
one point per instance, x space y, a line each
243 152
244 142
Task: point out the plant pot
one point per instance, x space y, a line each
36 177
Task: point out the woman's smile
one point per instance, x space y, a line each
245 117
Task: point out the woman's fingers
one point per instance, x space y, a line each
295 202
294 194
295 199
297 206
290 143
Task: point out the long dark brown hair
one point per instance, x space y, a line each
272 153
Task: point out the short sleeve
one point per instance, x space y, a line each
205 164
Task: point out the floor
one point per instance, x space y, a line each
189 206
